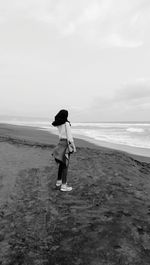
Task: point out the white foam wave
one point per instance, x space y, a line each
109 124
136 135
116 137
136 130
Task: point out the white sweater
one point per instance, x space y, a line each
65 132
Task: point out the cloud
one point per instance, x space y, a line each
111 23
133 99
137 90
117 40
118 23
129 102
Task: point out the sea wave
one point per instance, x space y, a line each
130 134
116 137
135 130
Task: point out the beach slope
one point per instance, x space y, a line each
104 220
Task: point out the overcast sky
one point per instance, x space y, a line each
89 56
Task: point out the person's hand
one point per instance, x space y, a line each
74 149
73 146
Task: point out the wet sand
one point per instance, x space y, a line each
104 220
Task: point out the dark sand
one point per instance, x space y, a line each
105 220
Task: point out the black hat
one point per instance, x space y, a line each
60 118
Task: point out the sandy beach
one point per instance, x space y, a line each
105 220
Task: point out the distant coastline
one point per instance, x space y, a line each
42 136
131 137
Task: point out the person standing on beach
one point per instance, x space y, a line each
63 149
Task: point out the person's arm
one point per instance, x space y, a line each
69 136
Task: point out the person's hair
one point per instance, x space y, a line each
60 118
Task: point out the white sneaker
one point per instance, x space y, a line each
64 187
58 183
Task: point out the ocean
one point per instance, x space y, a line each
124 135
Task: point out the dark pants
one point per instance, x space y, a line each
62 172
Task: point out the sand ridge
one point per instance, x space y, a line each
104 220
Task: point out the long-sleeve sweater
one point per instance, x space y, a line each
65 132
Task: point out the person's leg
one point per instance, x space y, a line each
60 172
64 186
64 173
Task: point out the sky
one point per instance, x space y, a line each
91 57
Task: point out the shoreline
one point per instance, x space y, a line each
41 137
142 153
137 149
